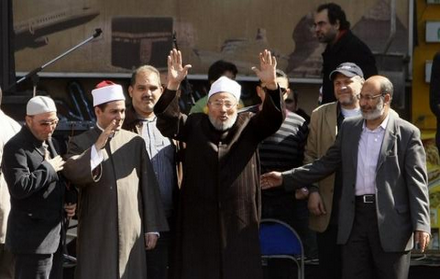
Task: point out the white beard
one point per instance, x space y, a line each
223 126
375 113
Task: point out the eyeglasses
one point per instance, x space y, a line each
48 123
219 104
289 101
368 98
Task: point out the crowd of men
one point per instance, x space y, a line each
162 194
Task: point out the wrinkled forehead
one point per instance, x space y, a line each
222 96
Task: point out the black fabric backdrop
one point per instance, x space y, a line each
7 62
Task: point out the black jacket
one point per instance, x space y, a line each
434 89
34 223
348 48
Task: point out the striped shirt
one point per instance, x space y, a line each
284 150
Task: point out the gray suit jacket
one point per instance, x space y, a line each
402 200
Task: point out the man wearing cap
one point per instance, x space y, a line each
384 204
324 197
9 128
217 230
120 206
36 190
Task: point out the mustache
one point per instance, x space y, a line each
147 98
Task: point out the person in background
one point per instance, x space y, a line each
9 128
282 151
120 211
323 202
434 94
292 104
333 29
216 70
30 167
145 90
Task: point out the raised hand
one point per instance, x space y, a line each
267 71
176 71
105 135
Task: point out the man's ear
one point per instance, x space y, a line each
388 99
28 120
130 91
260 92
98 111
338 25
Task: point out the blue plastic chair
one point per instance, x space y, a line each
279 240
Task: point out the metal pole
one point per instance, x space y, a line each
35 71
392 26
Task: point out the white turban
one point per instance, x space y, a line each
107 91
225 84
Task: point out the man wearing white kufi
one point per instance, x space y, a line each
34 232
120 206
219 211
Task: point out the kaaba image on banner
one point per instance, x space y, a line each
138 41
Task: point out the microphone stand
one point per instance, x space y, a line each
34 73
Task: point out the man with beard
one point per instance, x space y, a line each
323 202
333 29
31 169
217 229
384 202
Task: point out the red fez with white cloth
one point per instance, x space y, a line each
107 91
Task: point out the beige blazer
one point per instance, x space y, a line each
323 129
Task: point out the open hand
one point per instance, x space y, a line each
271 179
176 72
267 71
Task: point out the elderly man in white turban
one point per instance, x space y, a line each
37 194
217 230
120 210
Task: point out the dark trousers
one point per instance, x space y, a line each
39 266
7 263
363 256
329 253
158 259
